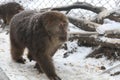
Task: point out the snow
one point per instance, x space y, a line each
74 67
108 25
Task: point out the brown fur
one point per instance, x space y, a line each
42 34
8 10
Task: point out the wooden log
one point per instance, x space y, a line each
83 24
108 52
88 41
82 5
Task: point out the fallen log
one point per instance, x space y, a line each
108 52
83 24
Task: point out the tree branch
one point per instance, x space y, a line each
82 5
110 69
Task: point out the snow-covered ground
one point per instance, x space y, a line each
74 67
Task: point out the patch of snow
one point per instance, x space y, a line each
109 25
74 67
